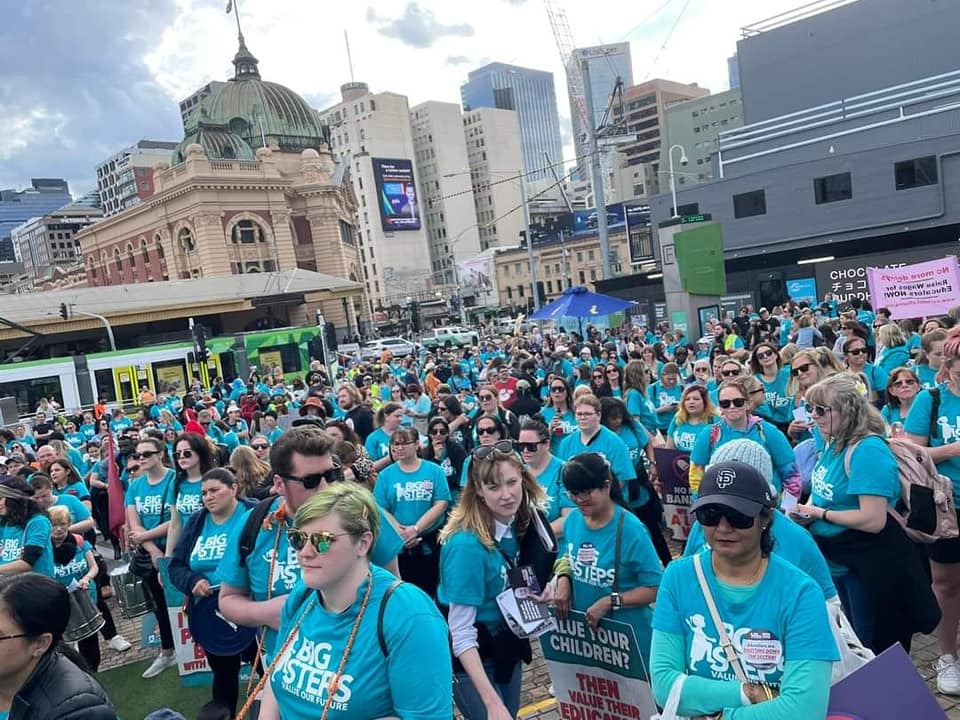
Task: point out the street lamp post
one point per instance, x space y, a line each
673 175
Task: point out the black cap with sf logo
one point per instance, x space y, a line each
736 485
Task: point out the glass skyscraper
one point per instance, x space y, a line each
17 206
531 93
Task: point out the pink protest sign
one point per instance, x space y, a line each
927 288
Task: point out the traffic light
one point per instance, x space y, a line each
64 311
415 316
200 342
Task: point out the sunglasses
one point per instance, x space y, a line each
800 369
764 355
730 373
486 397
598 376
183 454
260 446
612 372
816 410
439 431
321 541
710 515
908 382
492 430
733 402
530 447
857 351
485 451
558 389
309 482
144 455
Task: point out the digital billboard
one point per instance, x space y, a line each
397 194
584 222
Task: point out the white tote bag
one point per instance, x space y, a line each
673 702
853 654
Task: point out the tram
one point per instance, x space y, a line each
77 381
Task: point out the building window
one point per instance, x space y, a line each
915 173
749 204
832 188
583 279
185 238
247 231
550 286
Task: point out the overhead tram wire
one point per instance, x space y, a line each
648 18
667 39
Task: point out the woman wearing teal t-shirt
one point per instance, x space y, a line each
484 538
901 390
768 368
665 396
696 412
931 357
534 446
389 419
353 636
854 484
600 584
772 612
24 531
635 385
558 412
193 457
417 494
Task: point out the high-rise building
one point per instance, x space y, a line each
733 71
495 157
606 63
444 171
18 206
42 242
126 179
532 95
695 125
645 107
192 102
371 134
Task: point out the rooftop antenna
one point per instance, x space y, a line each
233 7
346 39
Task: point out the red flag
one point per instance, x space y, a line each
118 512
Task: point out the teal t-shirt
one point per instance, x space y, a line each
473 575
551 481
208 550
892 414
778 404
639 406
36 533
76 569
372 686
607 443
636 442
662 396
762 432
78 490
927 375
151 503
377 445
792 542
685 434
78 511
408 495
189 499
568 424
873 471
592 552
948 428
781 619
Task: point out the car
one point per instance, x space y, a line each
398 347
464 336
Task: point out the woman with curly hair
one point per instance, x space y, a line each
251 473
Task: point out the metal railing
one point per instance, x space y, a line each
792 16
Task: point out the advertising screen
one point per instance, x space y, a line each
397 194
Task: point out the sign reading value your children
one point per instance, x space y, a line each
597 675
927 288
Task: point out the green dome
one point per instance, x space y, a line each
256 110
217 142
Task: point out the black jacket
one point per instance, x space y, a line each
182 577
59 690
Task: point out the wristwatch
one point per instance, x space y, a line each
616 601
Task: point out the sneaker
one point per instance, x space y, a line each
161 663
119 643
948 675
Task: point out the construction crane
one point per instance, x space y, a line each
564 38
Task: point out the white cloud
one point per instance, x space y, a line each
21 129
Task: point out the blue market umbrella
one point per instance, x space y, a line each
579 302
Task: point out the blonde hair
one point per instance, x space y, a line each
473 515
352 502
890 335
858 417
59 515
709 409
248 469
580 391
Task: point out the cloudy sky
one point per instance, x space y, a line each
82 80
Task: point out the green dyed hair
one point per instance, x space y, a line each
352 502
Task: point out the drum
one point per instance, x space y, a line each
213 632
85 619
132 596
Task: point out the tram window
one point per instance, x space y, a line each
105 387
286 356
29 392
169 375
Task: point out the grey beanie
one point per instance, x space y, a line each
748 452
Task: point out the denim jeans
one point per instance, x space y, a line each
856 605
468 700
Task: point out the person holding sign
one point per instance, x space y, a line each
614 570
492 530
783 648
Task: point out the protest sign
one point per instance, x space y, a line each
673 467
597 676
191 659
926 288
886 688
149 632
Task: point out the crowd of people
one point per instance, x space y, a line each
366 524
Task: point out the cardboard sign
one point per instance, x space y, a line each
598 675
673 466
927 288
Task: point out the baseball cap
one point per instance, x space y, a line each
735 485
